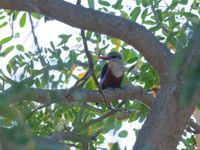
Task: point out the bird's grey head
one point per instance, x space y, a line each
116 63
114 55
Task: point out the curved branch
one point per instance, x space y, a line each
43 96
130 32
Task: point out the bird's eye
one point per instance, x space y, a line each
113 56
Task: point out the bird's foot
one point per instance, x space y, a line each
108 105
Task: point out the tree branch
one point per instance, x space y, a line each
128 92
42 96
130 32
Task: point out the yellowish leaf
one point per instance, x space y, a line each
31 72
71 69
153 93
81 75
139 64
110 145
172 47
156 86
118 42
89 130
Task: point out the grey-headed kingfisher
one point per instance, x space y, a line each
113 71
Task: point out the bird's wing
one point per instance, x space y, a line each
103 74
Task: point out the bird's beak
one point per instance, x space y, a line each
103 57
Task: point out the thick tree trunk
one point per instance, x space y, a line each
165 122
170 114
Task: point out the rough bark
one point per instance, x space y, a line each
52 96
168 116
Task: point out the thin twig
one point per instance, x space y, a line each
8 79
194 126
91 67
82 80
108 114
80 115
36 41
158 20
12 23
94 136
77 85
160 23
32 112
190 130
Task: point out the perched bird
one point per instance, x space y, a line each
113 71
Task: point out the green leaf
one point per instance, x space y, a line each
36 16
135 13
171 20
133 117
146 76
118 125
102 2
3 24
5 40
7 51
145 3
156 28
183 2
91 3
20 47
142 118
192 17
23 20
198 106
160 14
138 2
131 60
109 124
160 38
173 4
123 134
2 17
115 146
118 5
16 14
88 34
8 69
52 45
64 38
17 35
125 54
144 14
149 22
37 83
65 47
